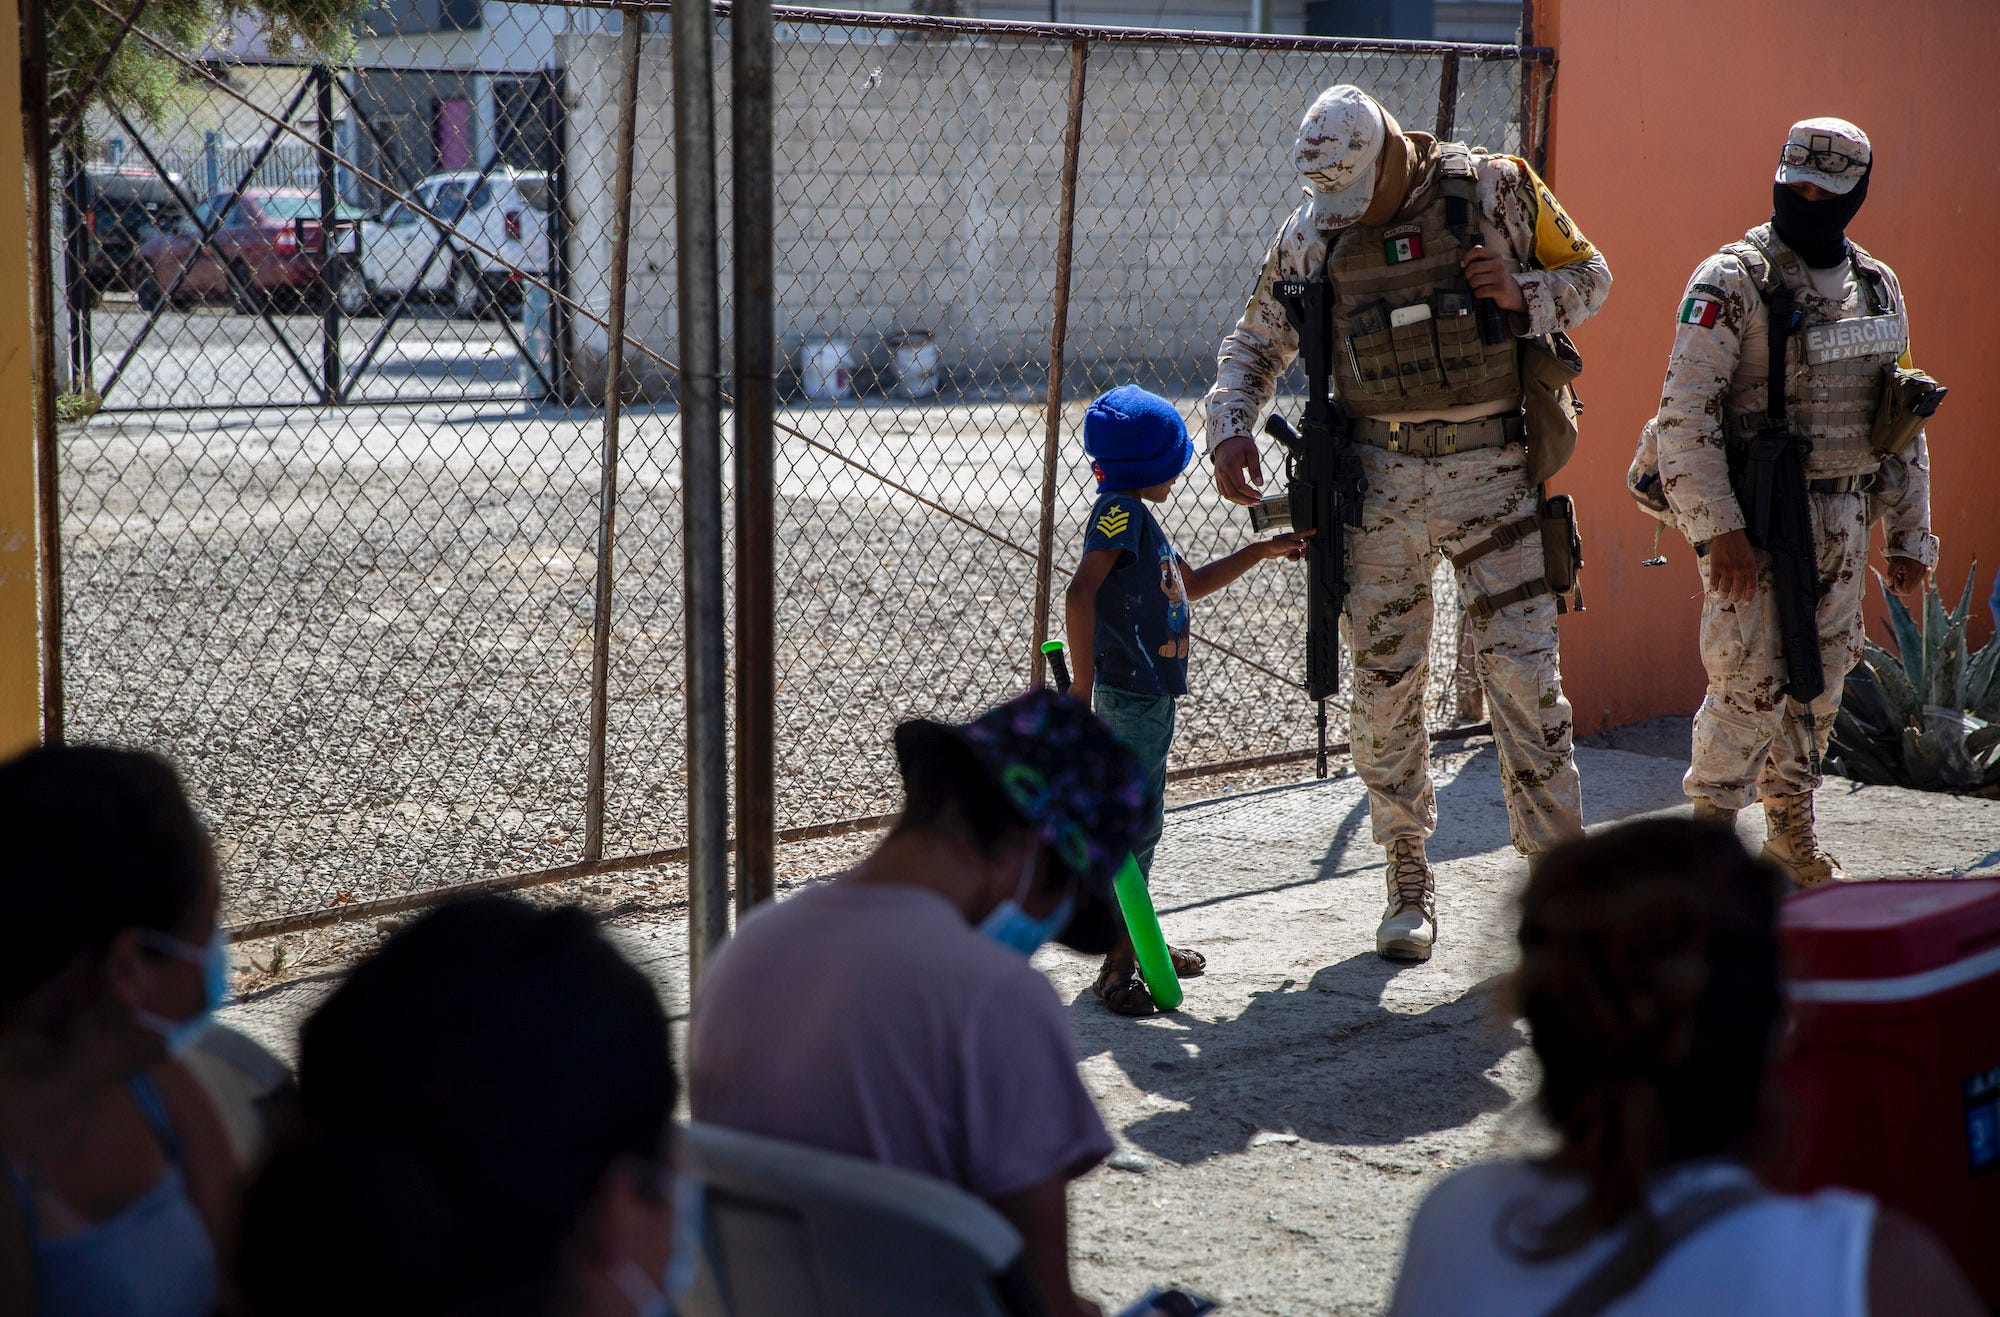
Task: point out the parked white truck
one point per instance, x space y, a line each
501 224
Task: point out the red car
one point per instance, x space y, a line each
270 238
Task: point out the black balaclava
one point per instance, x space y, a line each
1816 230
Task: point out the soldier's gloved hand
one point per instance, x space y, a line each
1239 472
1732 567
1907 576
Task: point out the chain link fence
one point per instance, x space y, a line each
331 536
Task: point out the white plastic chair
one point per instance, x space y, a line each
796 1232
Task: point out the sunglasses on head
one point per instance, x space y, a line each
1828 162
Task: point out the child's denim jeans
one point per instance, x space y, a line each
1145 723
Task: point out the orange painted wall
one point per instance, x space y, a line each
1668 119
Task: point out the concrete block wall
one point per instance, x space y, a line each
919 187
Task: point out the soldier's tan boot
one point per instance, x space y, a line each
1707 811
1409 924
1792 845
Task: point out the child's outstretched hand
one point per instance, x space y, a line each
1207 579
1290 546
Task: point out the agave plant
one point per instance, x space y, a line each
1927 716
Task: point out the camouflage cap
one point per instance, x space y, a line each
1830 152
1339 141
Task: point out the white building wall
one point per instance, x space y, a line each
510 37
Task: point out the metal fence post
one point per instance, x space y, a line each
754 199
1541 73
330 387
614 397
211 163
1467 700
1079 55
701 481
41 274
77 290
559 235
1447 116
1532 150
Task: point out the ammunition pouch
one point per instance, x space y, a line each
1562 557
1909 397
1549 367
1562 548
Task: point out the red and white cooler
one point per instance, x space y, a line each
1891 1073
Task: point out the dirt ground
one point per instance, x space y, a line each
365 637
1277 1132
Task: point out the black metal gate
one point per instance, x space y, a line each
159 236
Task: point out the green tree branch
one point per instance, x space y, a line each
145 83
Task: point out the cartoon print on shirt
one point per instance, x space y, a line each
1177 608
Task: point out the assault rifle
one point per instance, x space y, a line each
1324 486
1768 475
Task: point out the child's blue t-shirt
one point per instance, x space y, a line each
1142 608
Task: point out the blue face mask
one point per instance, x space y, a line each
664 1297
213 961
1016 929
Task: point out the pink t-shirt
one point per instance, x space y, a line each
872 1020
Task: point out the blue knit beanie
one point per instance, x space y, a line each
1135 439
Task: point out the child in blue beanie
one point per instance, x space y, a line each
1126 614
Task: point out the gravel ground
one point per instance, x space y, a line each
1276 1134
365 634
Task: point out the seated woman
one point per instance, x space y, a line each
892 1014
484 1126
1651 984
119 1176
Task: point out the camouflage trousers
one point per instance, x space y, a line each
1750 742
1416 509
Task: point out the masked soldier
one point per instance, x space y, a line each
1850 394
1410 231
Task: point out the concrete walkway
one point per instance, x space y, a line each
1277 1133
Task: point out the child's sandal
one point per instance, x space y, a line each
1120 988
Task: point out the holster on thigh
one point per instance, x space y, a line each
1562 557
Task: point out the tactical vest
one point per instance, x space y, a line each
1833 362
1439 361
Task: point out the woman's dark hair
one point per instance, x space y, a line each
946 789
93 840
461 1097
1651 982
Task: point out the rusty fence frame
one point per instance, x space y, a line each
1537 65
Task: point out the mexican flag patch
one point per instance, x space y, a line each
1700 311
1397 250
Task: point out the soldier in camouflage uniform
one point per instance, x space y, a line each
1410 230
1750 741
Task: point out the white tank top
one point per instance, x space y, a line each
1775 1257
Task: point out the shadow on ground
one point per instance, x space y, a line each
1472 821
1350 1057
1326 1061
